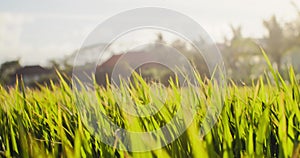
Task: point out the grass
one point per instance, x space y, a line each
261 120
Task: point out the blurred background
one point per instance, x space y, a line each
37 37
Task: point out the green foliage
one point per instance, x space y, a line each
261 120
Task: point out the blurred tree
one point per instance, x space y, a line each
66 66
7 69
275 41
230 47
242 57
195 58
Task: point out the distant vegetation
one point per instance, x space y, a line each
242 57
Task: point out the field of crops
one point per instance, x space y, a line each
260 120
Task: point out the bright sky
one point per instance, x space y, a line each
36 31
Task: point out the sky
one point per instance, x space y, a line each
36 31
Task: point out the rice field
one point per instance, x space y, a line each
259 120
